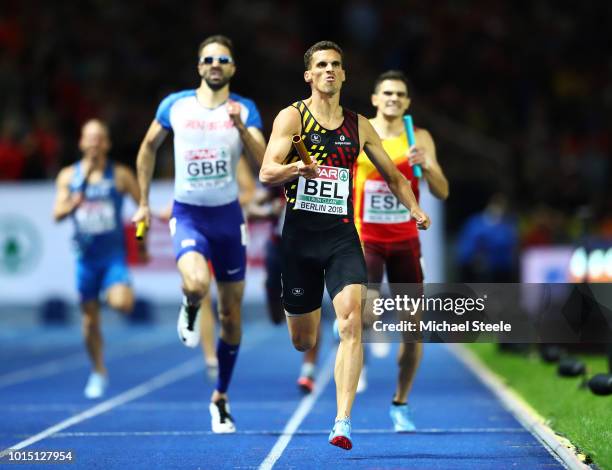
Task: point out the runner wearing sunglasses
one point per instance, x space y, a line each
212 129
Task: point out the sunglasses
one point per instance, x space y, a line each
222 59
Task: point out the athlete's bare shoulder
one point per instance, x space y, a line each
423 133
125 179
367 134
364 121
288 120
65 175
123 170
291 113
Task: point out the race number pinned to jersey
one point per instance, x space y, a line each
327 194
94 217
208 168
381 206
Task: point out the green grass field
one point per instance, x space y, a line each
575 413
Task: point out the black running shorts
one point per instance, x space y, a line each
314 259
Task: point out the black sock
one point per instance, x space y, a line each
397 403
192 311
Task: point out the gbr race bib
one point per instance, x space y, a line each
208 168
380 206
326 194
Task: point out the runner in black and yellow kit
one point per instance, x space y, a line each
320 243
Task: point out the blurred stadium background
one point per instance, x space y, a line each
517 95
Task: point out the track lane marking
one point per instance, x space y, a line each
168 377
306 404
281 433
73 361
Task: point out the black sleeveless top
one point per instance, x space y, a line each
327 201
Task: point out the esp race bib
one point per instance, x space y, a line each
380 206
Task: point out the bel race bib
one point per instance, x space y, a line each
326 194
380 206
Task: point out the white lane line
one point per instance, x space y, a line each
74 361
147 406
562 451
166 378
175 374
300 413
282 433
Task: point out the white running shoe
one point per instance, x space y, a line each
221 420
362 385
188 327
96 386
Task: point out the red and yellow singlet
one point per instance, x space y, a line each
379 216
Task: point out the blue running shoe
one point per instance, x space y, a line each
340 435
402 418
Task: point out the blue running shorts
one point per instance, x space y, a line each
218 233
95 276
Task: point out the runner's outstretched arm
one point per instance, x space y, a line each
425 155
127 183
246 183
253 140
145 164
65 202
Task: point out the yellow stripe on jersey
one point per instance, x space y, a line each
396 148
309 125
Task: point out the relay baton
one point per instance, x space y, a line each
416 169
298 143
141 230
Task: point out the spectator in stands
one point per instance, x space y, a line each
488 244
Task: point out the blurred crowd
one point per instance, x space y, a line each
535 77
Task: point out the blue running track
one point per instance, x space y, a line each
155 415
